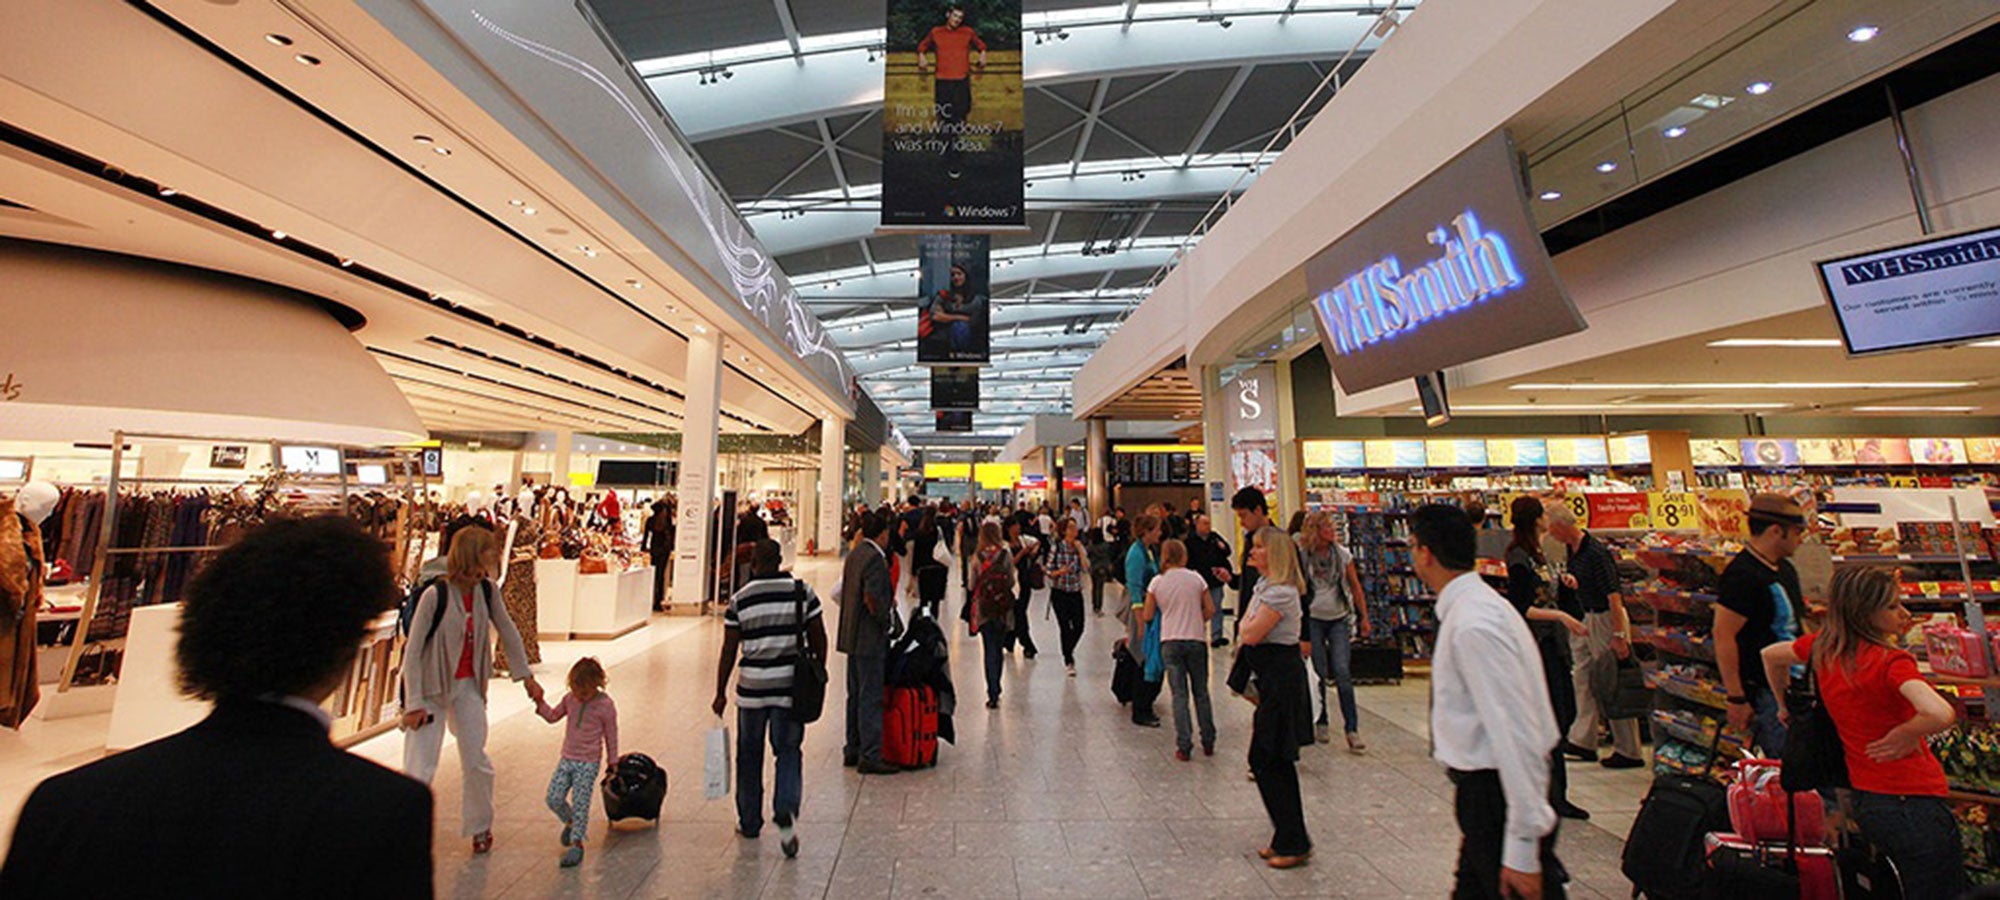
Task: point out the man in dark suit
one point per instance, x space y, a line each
867 598
254 801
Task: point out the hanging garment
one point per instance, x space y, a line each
21 572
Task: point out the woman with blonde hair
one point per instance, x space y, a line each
1883 710
1338 613
447 663
1272 651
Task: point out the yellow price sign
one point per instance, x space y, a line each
1903 481
1580 505
1930 589
1507 510
1673 511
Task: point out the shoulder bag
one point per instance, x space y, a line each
809 673
1814 758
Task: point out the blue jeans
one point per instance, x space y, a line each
993 637
1331 655
864 708
1187 673
1215 622
786 735
1920 836
1764 724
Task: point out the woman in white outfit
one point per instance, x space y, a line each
446 665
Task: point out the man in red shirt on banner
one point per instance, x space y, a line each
952 43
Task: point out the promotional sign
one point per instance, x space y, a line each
1770 452
954 317
947 471
1452 271
1330 455
1631 450
1608 511
1524 453
1826 451
432 461
1724 513
1673 511
955 387
228 456
954 420
996 476
1983 451
1459 454
1715 454
1882 452
1938 451
1250 418
951 116
1578 453
1940 291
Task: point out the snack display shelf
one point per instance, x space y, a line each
1878 559
1964 796
1692 694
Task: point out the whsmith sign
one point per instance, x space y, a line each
1450 272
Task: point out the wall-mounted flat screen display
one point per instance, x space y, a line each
1939 291
636 473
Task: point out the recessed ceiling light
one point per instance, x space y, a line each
279 40
1863 34
635 284
1552 195
517 203
1776 342
701 329
278 233
441 150
1745 386
345 262
1607 167
421 138
1675 131
307 59
1916 409
167 191
1758 88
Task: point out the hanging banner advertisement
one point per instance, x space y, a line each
951 116
954 320
955 387
1452 271
954 420
1250 414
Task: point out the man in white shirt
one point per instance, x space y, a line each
1491 723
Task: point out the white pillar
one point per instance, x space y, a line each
696 489
559 471
832 477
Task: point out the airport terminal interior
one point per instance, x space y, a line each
1575 386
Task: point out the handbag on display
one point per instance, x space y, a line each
809 673
1814 758
594 563
551 547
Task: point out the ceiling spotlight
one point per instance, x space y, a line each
167 191
279 40
635 284
346 262
278 234
701 329
1607 167
528 210
1758 88
1552 195
1675 131
306 59
441 150
517 203
1863 34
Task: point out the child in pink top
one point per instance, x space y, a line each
593 721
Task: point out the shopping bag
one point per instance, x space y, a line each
715 767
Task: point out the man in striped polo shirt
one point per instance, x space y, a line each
763 622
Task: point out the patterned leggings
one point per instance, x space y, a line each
574 779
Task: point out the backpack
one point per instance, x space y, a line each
408 610
1665 854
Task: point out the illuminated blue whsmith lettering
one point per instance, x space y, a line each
1380 301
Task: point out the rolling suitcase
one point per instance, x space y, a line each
636 788
910 726
1665 855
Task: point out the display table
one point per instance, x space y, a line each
555 598
611 605
149 704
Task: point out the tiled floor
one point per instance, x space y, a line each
1053 795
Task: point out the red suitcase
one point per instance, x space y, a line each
909 727
1760 811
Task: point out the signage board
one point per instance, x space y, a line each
952 115
949 420
1770 452
1938 451
1624 510
432 461
1331 455
1673 511
15 469
310 460
1250 419
228 456
1882 452
1518 453
954 315
1826 451
947 471
996 476
1452 271
1631 450
1942 290
955 387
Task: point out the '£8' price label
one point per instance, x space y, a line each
1674 510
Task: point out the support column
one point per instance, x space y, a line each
832 478
696 488
559 470
1291 468
1097 468
871 478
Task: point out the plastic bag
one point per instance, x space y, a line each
715 767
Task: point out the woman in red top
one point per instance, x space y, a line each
1883 709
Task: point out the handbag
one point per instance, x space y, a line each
715 763
809 673
1814 757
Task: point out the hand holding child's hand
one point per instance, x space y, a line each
535 692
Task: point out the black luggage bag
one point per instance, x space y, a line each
635 789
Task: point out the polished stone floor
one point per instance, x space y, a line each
1054 794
